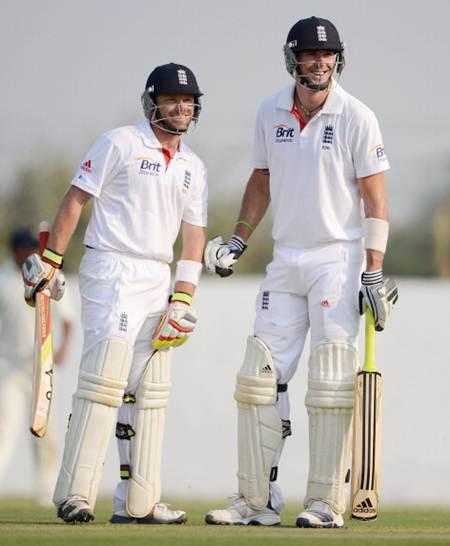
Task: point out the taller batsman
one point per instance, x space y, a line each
319 159
146 186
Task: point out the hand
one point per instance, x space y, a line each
379 294
39 275
175 326
220 257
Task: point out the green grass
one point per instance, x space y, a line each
21 523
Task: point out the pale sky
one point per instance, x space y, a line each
72 70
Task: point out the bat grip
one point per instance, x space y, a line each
44 230
369 352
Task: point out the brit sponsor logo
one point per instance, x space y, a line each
379 151
148 166
87 166
283 133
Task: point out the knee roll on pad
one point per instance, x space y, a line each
152 396
331 376
102 380
259 423
329 400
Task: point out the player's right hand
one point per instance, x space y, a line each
220 257
40 275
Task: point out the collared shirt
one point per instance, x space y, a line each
139 201
314 173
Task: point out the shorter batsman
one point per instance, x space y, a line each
146 186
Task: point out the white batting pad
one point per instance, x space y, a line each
102 380
330 400
152 396
259 423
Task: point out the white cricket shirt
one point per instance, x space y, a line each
138 202
314 173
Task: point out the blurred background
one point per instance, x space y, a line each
72 70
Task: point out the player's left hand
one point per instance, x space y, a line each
176 324
379 294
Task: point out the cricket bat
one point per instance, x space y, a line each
43 354
366 469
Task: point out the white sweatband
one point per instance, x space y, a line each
376 233
188 271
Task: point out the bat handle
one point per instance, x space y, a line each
44 230
369 353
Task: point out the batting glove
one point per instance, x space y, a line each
39 274
220 257
176 324
379 294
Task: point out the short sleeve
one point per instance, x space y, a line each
259 157
100 164
369 156
195 210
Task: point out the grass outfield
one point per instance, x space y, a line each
23 523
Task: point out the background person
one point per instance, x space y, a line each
16 366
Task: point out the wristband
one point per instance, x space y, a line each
237 244
376 233
188 271
52 258
181 296
246 224
369 278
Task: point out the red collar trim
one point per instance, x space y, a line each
298 116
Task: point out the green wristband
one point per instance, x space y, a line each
246 224
53 258
181 296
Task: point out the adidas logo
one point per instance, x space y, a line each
365 507
266 369
87 166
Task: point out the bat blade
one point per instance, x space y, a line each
365 491
43 355
366 446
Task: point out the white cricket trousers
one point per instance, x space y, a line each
312 290
122 296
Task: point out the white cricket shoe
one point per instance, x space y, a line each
240 513
320 515
75 509
161 514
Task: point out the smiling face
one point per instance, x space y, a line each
316 67
174 112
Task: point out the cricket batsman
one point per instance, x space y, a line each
319 159
146 186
